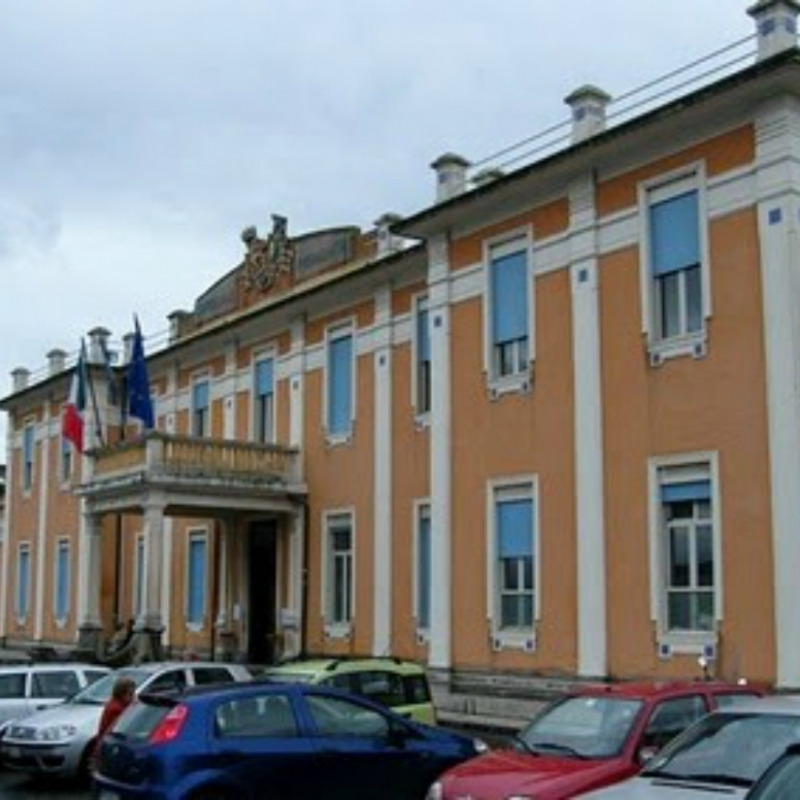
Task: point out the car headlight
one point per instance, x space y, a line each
56 733
480 746
435 792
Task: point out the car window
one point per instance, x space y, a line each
383 687
671 717
346 682
780 781
60 684
268 715
337 716
167 681
12 686
140 720
204 676
417 690
727 700
98 693
93 675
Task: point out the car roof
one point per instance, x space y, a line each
774 704
51 666
330 666
158 666
644 690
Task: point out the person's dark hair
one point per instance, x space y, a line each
124 688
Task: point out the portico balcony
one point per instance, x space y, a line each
193 473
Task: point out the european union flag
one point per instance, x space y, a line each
140 404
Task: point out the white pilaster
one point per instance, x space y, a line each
589 511
153 552
297 532
297 385
223 587
382 579
168 567
89 570
6 543
439 652
229 400
778 181
41 533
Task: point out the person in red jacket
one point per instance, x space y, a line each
121 697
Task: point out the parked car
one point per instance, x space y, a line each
723 754
392 682
59 741
594 737
281 740
27 688
782 780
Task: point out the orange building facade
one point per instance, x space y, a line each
547 426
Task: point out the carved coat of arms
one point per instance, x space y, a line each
266 259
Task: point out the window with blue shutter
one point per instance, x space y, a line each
424 568
264 399
28 445
62 581
423 358
515 553
197 580
23 581
200 408
66 458
509 310
340 385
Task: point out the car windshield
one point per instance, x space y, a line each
289 677
582 727
99 692
727 749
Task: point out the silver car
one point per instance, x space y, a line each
722 754
27 688
59 742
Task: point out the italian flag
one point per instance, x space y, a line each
72 420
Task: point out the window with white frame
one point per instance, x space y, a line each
138 586
515 557
66 459
264 400
61 591
676 260
28 452
688 548
339 537
201 400
340 382
509 309
23 580
196 580
423 357
423 567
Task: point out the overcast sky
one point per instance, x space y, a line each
138 139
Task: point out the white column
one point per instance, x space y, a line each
778 181
589 510
296 372
223 587
41 533
89 570
168 566
6 543
382 578
439 652
297 577
151 618
229 398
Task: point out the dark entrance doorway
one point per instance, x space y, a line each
261 569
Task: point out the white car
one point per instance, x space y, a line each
721 755
59 742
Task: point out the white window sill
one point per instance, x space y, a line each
194 627
514 640
510 384
339 439
694 345
691 643
61 623
422 421
338 631
423 635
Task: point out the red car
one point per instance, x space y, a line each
591 738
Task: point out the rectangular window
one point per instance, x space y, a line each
138 590
196 580
23 581
61 591
675 261
514 529
200 408
28 450
423 583
340 569
423 358
340 384
66 459
264 400
688 548
509 310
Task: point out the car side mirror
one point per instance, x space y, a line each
645 753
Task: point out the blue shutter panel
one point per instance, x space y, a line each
24 577
197 569
509 286
264 377
200 395
424 573
62 582
515 528
340 384
674 234
423 336
686 492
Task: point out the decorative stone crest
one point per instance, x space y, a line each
268 258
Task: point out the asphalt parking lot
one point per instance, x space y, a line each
14 786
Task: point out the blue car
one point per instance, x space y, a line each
271 741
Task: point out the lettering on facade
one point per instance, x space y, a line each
268 258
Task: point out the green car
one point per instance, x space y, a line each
397 684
